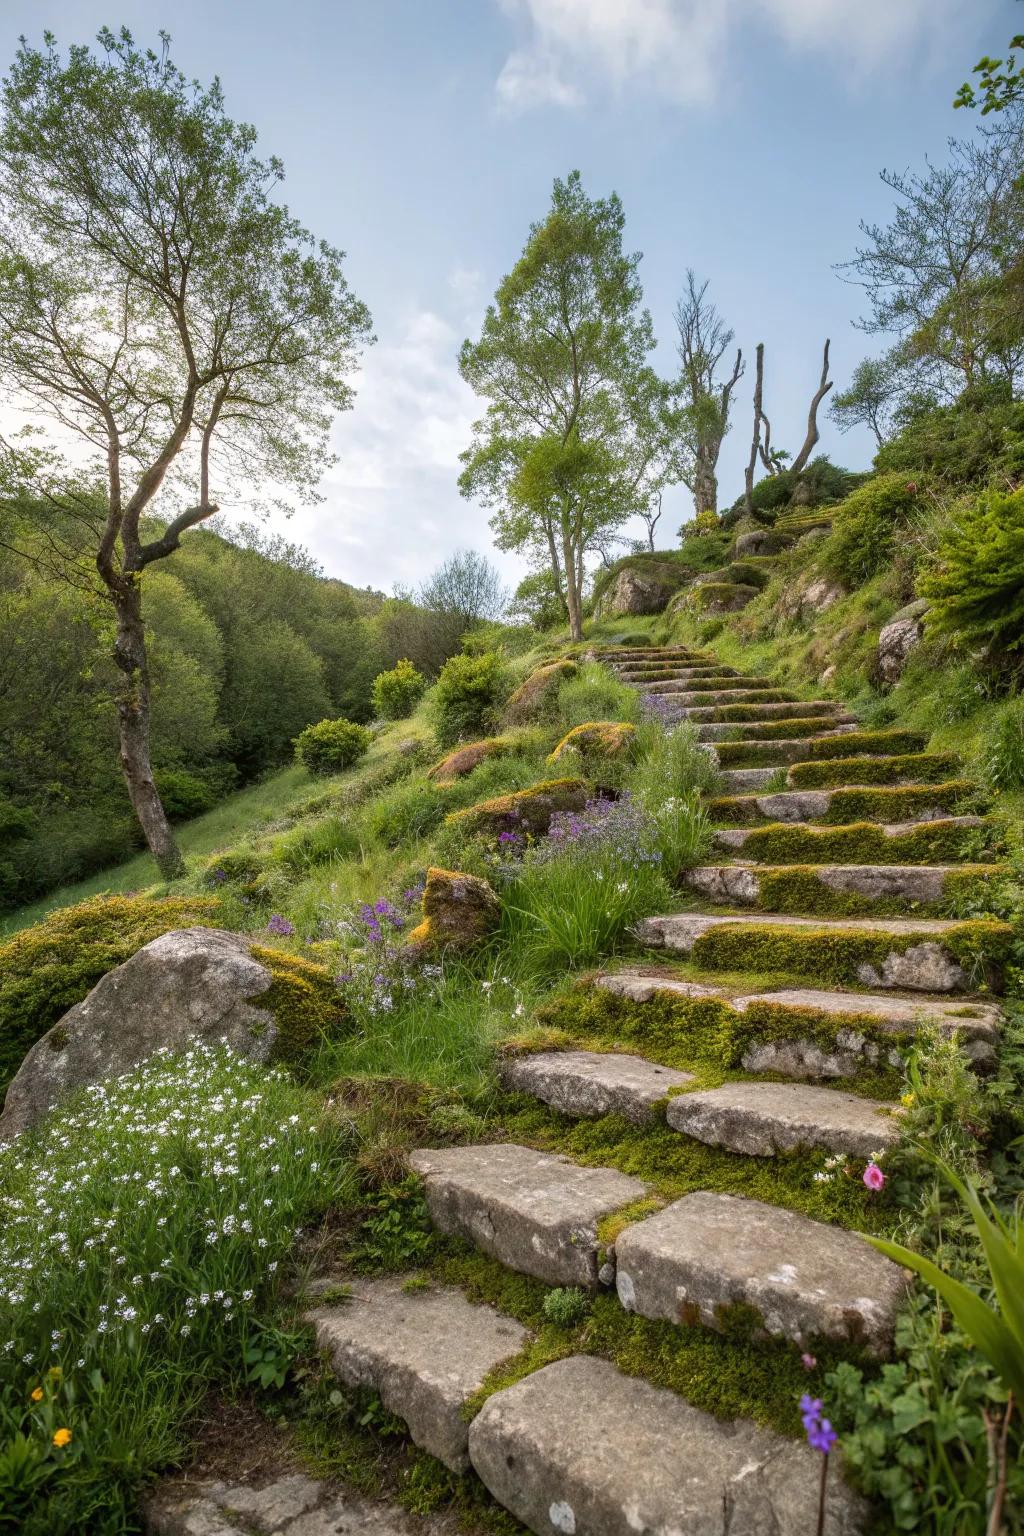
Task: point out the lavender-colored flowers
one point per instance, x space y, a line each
820 1434
375 916
620 828
281 926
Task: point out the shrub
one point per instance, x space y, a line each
595 693
566 1306
184 794
866 526
976 585
1003 759
396 693
331 745
312 843
120 1313
46 969
575 895
972 442
467 696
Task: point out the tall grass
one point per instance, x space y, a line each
595 693
672 775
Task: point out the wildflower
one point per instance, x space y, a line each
908 1100
37 1395
874 1178
61 1438
820 1434
808 1362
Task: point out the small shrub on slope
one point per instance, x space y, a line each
1004 749
976 584
595 693
866 527
140 1240
396 693
467 696
331 745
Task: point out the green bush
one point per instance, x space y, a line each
183 794
467 697
867 525
595 693
331 745
977 440
976 585
396 693
312 843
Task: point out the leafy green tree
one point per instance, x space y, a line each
1000 82
158 302
560 349
274 686
870 398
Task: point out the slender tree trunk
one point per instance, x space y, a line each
705 481
748 489
572 587
132 701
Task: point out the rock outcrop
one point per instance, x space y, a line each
190 984
898 638
459 912
532 697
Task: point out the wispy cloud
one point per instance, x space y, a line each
571 50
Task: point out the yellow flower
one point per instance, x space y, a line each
37 1395
907 1100
62 1438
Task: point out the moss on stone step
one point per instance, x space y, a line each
913 768
800 890
864 842
853 804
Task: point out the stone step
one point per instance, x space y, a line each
669 671
285 1504
913 953
589 1083
684 701
781 753
656 653
907 804
732 686
578 1447
974 1022
765 1119
803 841
740 714
535 1212
771 730
425 1352
707 1253
745 884
737 781
893 769
825 745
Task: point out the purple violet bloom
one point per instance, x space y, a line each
280 925
822 1437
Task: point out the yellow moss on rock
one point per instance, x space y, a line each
598 738
526 810
464 759
304 1000
460 911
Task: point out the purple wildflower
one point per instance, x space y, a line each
821 1437
810 1409
280 925
218 876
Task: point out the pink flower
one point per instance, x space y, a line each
874 1178
808 1362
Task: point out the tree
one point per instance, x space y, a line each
944 276
704 339
560 350
158 304
774 459
870 399
467 589
1001 82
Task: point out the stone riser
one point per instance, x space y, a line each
916 804
743 884
738 730
860 841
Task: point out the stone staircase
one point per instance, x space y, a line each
577 1445
841 853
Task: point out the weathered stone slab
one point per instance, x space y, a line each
763 1119
588 1083
896 1013
736 781
733 730
580 1449
727 682
875 882
642 988
795 709
781 754
535 1212
708 1252
291 1505
424 1352
190 984
807 805
735 838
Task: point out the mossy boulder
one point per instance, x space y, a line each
597 739
192 984
641 586
533 698
48 968
460 912
525 811
712 599
464 759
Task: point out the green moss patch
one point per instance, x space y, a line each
924 767
799 889
864 842
304 1000
527 810
778 730
893 804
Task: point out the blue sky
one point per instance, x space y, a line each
743 136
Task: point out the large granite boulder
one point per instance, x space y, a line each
189 984
638 589
759 541
459 912
533 697
898 638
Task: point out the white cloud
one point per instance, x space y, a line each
679 48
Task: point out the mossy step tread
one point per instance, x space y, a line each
766 731
707 1253
929 802
738 689
592 1083
765 1119
784 752
745 883
536 1212
751 714
580 1447
679 930
736 838
425 1352
739 780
